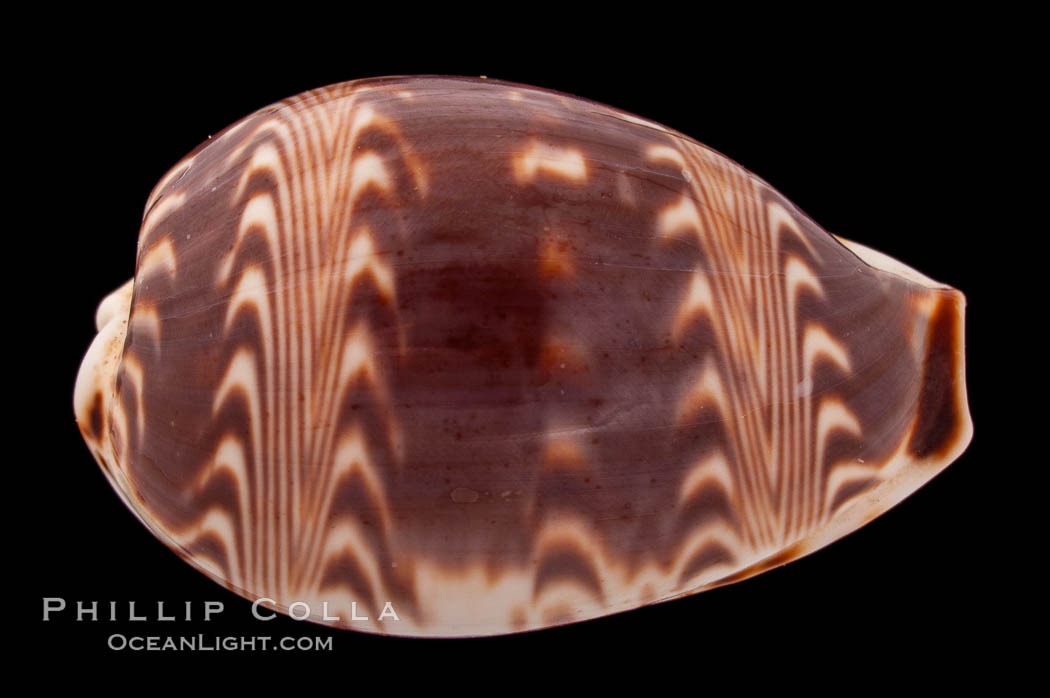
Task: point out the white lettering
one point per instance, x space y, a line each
255 609
50 605
82 611
324 607
291 611
388 611
212 607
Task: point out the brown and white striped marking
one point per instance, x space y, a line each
505 359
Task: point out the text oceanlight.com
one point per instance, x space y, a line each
216 643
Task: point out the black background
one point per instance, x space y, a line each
882 141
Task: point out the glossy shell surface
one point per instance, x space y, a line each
505 359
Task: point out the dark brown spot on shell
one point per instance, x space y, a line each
938 419
96 421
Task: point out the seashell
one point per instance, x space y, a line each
496 358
